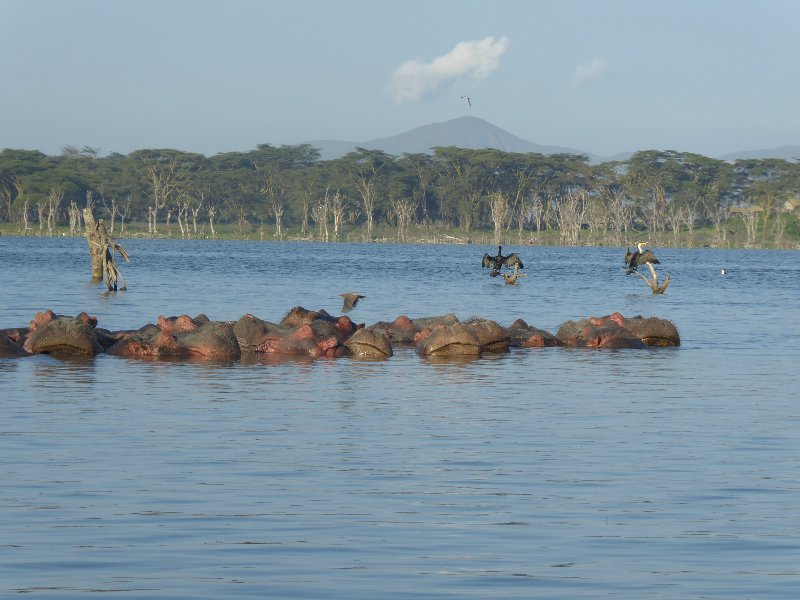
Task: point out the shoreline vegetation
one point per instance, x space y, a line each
454 195
736 237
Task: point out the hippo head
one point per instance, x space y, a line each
367 343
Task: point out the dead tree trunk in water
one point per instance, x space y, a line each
101 250
653 284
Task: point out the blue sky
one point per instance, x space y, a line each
604 77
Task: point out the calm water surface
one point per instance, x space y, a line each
545 473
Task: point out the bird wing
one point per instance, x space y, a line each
648 257
350 301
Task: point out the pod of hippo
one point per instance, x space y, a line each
316 334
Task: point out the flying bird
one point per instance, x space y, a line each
350 300
468 99
639 257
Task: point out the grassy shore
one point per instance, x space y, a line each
735 236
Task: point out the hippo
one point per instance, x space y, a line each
448 340
403 330
491 336
368 343
11 341
50 333
315 334
180 337
523 335
615 331
312 334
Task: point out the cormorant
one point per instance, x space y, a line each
500 261
639 257
350 300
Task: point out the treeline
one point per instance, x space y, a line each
665 195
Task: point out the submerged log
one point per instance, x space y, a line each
101 250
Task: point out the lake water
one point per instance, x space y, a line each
541 473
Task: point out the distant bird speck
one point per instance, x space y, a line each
468 99
350 300
722 272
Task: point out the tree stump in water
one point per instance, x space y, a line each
101 249
653 284
512 279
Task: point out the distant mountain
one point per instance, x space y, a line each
475 133
785 152
463 132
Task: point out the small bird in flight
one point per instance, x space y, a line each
350 301
468 99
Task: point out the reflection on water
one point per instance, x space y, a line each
554 473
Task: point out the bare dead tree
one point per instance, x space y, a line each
319 213
196 211
511 278
167 221
658 210
571 211
124 214
74 218
26 226
211 212
749 216
8 196
675 216
305 200
498 204
404 210
167 185
597 217
366 188
689 220
112 208
101 250
653 283
537 214
183 209
717 212
620 213
41 208
523 214
338 207
768 204
20 193
274 188
779 227
54 198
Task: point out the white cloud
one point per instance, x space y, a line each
591 71
414 80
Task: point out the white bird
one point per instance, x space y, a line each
468 99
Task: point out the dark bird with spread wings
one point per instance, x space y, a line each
639 257
500 261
